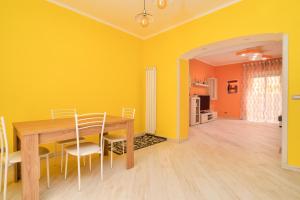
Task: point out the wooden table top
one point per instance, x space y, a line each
53 125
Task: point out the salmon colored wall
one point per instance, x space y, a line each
200 71
229 105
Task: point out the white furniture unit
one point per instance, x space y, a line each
194 110
86 148
213 88
126 113
207 117
9 159
58 114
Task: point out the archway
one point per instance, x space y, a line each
184 83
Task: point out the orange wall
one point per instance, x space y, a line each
229 105
200 71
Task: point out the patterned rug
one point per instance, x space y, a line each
139 143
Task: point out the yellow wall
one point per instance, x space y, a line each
184 99
248 17
51 57
54 58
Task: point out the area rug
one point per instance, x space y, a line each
139 143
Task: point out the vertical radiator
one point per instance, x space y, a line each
151 100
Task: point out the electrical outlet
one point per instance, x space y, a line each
296 97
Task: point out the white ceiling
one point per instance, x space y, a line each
224 53
120 13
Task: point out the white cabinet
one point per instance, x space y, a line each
194 110
209 116
213 88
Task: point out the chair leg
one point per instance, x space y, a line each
5 180
83 158
56 152
90 162
123 144
62 158
78 167
66 167
1 172
101 163
48 172
111 154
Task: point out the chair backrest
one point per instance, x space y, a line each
3 140
128 113
89 120
62 113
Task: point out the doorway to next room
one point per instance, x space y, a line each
236 94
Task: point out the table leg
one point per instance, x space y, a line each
30 167
130 145
16 147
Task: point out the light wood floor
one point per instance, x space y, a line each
225 159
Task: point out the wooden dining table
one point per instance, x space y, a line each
29 135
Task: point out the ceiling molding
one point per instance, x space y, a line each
94 18
232 63
137 35
192 19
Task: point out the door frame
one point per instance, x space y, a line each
285 71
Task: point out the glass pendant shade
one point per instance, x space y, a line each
144 21
162 4
144 18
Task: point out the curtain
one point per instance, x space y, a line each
262 96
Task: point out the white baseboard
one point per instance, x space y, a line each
290 167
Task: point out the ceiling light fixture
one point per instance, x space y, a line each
162 4
144 18
253 54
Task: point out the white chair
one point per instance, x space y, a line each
59 114
82 122
126 113
9 159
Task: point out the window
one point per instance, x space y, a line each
264 99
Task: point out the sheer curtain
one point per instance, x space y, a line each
262 96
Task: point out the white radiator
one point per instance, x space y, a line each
151 100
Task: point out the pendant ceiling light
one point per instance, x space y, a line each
144 18
162 4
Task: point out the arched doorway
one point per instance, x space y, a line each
184 83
